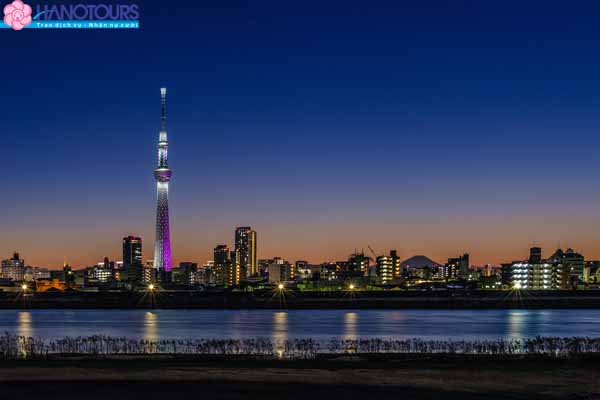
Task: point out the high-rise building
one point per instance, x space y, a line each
221 254
245 248
132 251
162 174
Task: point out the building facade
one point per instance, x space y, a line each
13 268
385 269
280 271
245 248
132 251
227 269
540 276
572 262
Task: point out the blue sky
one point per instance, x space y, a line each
433 127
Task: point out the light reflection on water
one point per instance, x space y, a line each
280 331
281 325
350 325
150 326
24 324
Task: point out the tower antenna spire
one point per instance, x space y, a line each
163 113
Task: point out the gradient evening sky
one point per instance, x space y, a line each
432 127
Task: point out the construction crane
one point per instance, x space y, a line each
372 251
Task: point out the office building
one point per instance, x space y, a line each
132 251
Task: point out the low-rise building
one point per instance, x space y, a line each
280 271
542 276
13 268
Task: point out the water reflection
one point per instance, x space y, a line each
24 324
150 326
280 331
350 325
517 321
283 325
236 325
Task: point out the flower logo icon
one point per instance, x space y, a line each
17 15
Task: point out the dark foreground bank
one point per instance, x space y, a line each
353 377
290 299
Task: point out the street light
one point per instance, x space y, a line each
24 286
351 287
280 286
151 286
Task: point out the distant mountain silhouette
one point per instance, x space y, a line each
419 262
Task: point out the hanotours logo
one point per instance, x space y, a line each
18 15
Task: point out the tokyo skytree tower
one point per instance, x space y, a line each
162 174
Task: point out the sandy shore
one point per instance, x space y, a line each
415 378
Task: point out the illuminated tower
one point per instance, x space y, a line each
162 174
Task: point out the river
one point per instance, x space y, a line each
431 324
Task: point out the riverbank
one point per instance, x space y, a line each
15 347
305 300
415 377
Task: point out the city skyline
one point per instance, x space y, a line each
430 129
341 198
132 244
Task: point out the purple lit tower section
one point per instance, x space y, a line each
162 174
